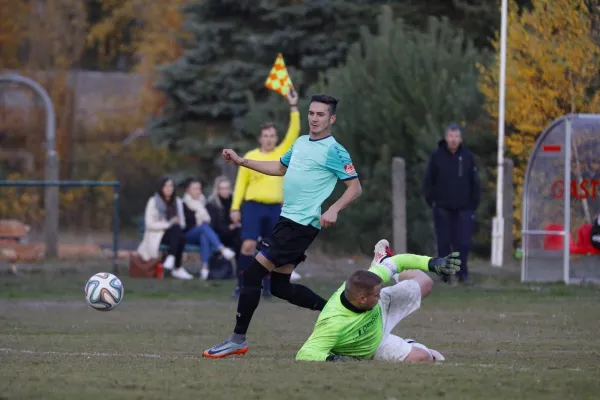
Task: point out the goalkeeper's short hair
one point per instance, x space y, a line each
362 281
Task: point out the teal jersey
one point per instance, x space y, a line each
313 169
344 332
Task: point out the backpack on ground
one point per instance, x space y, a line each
219 267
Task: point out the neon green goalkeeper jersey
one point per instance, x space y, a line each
344 332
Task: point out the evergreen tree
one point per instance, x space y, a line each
228 51
231 47
397 91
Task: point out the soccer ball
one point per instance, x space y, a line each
104 291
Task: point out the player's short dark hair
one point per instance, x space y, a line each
189 181
362 281
453 126
267 125
325 99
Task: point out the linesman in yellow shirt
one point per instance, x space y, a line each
257 198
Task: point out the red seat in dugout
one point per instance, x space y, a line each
584 240
583 245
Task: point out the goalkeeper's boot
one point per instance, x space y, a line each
381 251
226 349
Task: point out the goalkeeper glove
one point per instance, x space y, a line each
448 265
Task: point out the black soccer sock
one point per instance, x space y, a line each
298 295
266 283
243 263
249 296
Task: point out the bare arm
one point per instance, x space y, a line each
274 168
353 192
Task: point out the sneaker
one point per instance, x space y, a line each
228 253
295 276
226 349
204 274
381 251
169 263
181 273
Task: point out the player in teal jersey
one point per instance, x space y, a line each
358 319
311 169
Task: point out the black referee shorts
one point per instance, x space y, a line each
287 243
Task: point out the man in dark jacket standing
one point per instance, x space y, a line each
452 189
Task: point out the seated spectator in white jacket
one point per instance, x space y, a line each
164 223
199 231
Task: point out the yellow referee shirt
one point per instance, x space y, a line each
255 186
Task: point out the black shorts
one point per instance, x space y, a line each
288 242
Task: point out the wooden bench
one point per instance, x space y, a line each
12 230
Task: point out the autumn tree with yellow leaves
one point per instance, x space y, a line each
50 41
552 63
44 43
149 32
12 32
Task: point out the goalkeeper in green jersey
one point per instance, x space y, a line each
357 321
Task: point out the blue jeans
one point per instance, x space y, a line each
204 236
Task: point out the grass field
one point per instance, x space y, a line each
502 340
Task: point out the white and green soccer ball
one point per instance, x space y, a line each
104 291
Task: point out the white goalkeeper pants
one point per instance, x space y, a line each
397 302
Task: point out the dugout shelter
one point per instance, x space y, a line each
561 197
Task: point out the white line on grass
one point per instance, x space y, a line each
502 367
493 366
174 357
85 354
